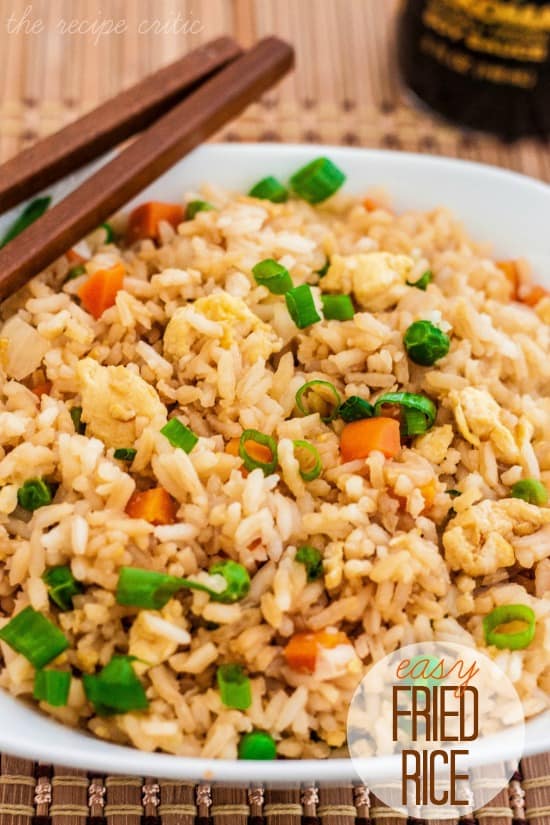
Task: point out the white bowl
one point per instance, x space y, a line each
509 210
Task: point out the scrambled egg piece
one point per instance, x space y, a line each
113 399
156 635
434 445
332 663
480 540
377 279
479 418
220 316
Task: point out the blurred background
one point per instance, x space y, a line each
61 57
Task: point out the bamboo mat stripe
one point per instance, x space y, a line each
345 90
39 795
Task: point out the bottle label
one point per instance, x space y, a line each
499 42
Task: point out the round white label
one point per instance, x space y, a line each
447 713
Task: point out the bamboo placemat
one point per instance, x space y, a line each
345 90
44 795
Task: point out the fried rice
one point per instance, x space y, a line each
417 547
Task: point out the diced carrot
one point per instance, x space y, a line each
370 204
428 494
232 446
303 648
535 294
259 452
510 269
73 257
360 438
144 220
301 652
155 506
525 293
44 388
99 292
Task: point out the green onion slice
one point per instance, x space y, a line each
272 275
506 614
146 588
52 686
249 438
33 636
75 272
531 490
317 181
179 435
125 454
109 232
29 215
312 559
150 590
422 283
269 189
309 460
337 307
425 343
413 423
76 415
321 397
62 586
258 744
418 412
355 408
193 207
324 269
234 687
33 494
237 581
116 688
301 306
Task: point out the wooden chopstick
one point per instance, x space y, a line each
218 100
111 123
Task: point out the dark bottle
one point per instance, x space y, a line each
483 63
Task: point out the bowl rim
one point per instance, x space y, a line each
111 758
390 155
